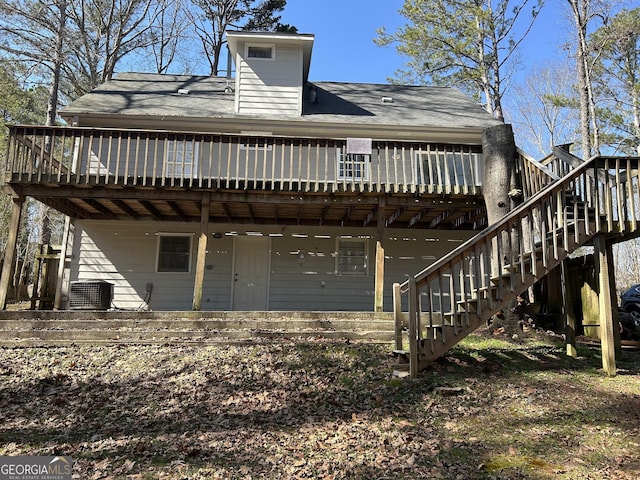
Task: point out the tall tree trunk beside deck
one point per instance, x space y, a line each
502 192
500 174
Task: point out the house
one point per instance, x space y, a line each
262 191
269 192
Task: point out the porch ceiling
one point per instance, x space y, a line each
401 210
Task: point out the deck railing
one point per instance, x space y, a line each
535 175
89 156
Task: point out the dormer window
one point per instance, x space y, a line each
262 52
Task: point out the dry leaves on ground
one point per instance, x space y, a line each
326 410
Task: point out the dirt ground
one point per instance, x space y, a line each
494 408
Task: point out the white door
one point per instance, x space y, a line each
251 273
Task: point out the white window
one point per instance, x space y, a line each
352 256
262 52
182 159
353 166
174 253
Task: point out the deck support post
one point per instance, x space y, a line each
570 323
397 315
67 244
10 251
379 276
607 309
202 253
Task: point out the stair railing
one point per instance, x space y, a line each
535 175
455 295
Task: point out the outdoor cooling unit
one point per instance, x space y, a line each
90 295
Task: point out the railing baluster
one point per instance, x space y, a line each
565 221
135 163
619 200
453 299
413 327
127 173
146 160
282 160
230 174
220 161
609 197
631 196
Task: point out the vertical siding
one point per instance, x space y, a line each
124 253
271 86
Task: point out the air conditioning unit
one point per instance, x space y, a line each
90 295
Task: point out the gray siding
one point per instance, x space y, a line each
124 253
270 87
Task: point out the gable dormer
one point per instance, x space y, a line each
271 71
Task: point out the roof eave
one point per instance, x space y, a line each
284 127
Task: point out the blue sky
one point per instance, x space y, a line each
344 31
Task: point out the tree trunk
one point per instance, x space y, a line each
502 192
500 175
502 188
588 127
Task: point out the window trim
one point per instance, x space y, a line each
343 159
365 259
162 235
271 47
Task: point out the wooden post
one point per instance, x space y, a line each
617 340
202 253
35 295
379 279
414 306
397 314
67 243
10 252
602 251
569 316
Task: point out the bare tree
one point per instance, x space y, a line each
35 33
584 13
463 43
104 32
211 18
543 108
166 34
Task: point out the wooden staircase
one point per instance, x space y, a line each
447 301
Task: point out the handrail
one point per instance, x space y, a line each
487 232
535 176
